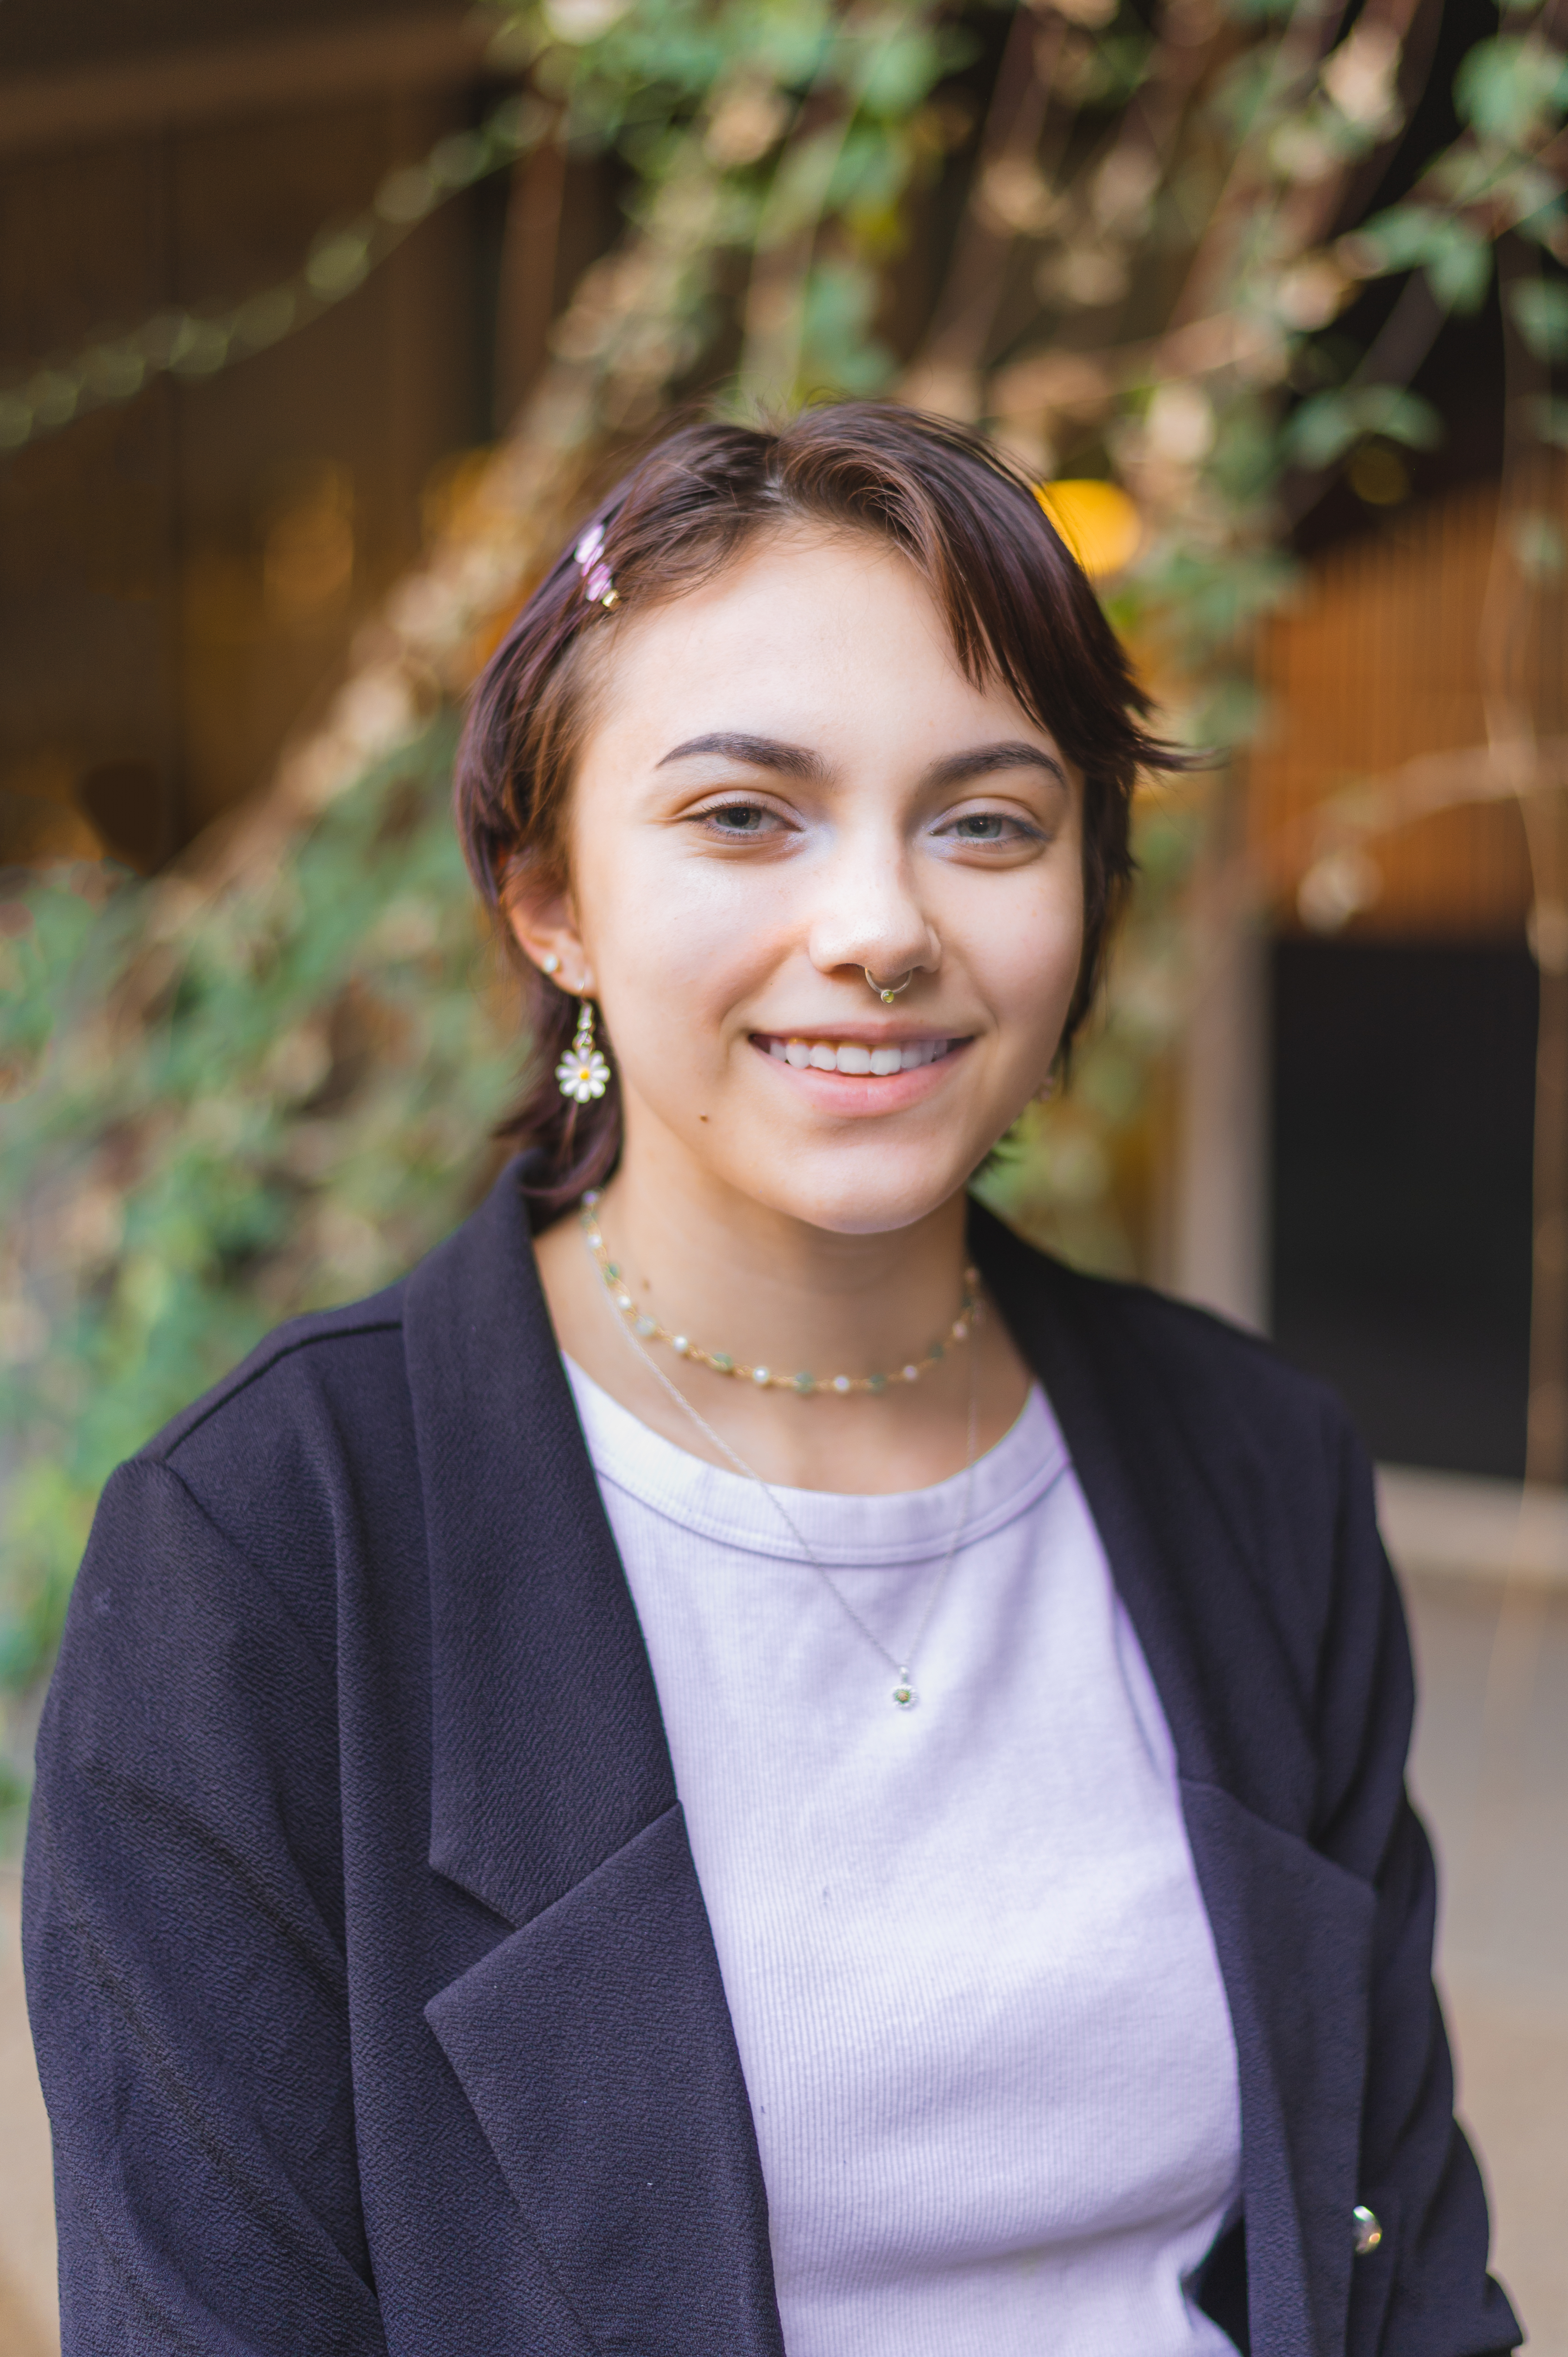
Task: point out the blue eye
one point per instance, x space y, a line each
742 819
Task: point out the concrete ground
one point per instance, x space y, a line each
1490 1772
26 2212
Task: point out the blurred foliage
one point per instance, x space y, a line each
268 1103
269 1080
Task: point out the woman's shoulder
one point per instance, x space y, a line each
1144 1346
309 1439
345 1363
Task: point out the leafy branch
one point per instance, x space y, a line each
267 1077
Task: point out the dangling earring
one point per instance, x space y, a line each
583 1073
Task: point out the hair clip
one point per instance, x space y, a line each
599 586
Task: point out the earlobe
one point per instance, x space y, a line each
542 922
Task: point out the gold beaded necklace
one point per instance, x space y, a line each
638 1330
804 1384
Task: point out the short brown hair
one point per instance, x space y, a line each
1015 602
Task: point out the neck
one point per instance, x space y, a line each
773 1290
738 1276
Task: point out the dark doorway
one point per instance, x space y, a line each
1402 1122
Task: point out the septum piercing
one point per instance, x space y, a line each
887 991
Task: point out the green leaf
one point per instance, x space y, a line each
799 193
1399 239
1326 425
896 71
1456 257
1539 310
1460 267
1509 87
840 301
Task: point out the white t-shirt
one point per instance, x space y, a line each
973 1982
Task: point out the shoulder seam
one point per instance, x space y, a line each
327 1668
232 1389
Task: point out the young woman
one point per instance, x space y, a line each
743 1764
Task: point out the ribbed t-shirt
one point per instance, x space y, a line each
972 1982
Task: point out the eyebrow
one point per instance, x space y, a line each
987 760
799 761
756 752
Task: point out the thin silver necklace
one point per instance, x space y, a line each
904 1692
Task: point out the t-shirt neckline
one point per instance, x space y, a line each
849 1530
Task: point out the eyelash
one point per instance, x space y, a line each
1016 829
721 810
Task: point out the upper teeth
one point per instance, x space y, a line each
849 1056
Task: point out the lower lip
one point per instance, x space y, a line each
854 1094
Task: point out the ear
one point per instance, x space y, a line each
538 909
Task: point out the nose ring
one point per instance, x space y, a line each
887 991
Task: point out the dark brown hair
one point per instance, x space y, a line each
1018 605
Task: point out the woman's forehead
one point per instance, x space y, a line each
814 630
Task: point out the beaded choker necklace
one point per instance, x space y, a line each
903 1692
647 1329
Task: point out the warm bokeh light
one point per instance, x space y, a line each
1098 521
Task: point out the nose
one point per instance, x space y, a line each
869 918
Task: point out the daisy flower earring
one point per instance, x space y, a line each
583 1073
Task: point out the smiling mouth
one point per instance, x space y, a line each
853 1055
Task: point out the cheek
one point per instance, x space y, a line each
674 946
1024 950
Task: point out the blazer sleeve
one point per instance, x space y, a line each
185 1961
1418 2173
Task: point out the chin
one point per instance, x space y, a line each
862 1195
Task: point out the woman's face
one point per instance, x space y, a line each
787 781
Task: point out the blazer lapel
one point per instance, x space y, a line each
594 2043
588 2045
1292 1930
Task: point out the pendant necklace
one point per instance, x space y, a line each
904 1694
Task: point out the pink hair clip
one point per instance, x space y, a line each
599 586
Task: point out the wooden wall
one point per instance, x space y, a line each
1378 662
181 574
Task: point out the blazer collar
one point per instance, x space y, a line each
548 1746
1292 1930
1058 1321
593 2042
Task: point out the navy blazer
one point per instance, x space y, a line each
374 1995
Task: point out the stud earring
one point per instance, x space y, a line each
550 964
582 1075
1047 1088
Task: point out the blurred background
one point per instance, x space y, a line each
322 320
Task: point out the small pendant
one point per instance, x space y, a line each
904 1694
